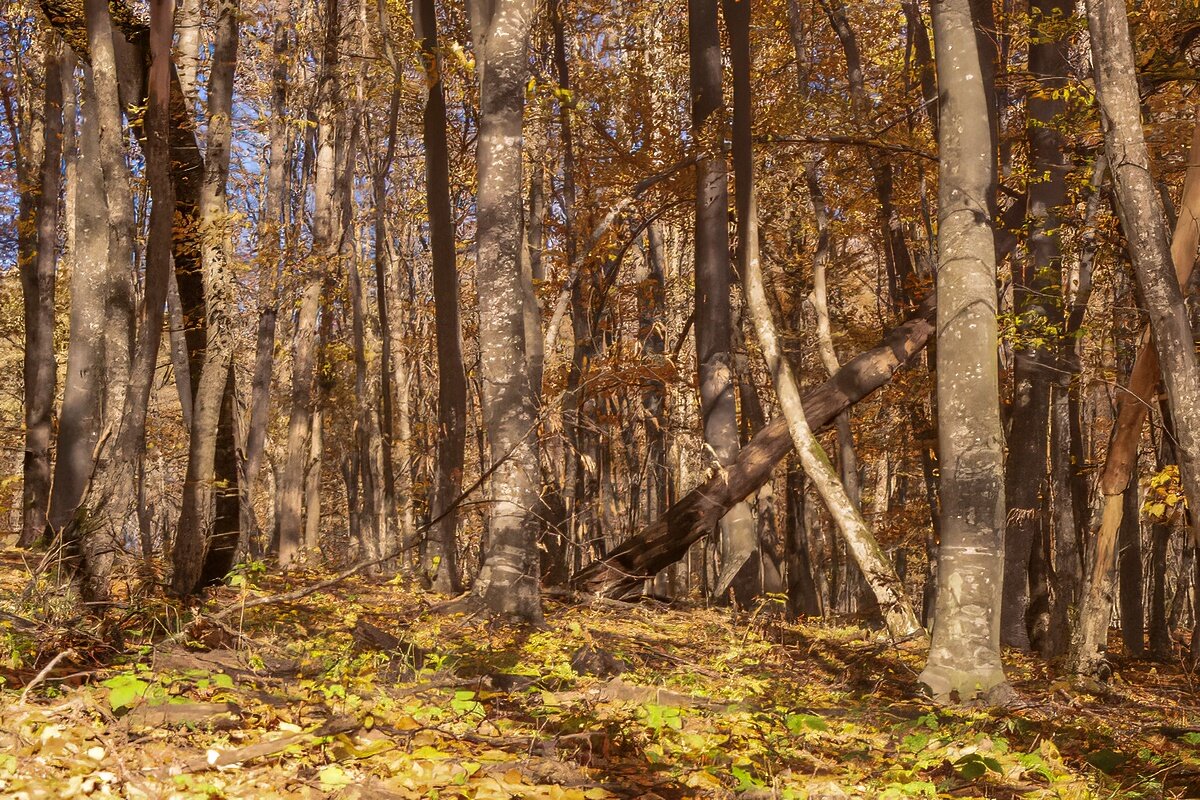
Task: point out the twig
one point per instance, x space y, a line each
41 676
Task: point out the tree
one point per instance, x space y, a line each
898 614
508 578
441 549
303 424
1140 210
39 226
739 536
964 656
196 534
1038 305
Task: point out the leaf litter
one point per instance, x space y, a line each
366 691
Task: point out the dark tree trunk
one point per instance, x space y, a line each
1129 571
204 520
452 381
739 537
271 254
1037 300
801 588
39 205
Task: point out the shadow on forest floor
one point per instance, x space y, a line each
363 691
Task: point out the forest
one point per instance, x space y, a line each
583 399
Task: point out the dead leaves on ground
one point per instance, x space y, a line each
704 704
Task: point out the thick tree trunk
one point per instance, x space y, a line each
964 659
739 536
622 572
508 579
1037 300
98 546
79 417
110 513
441 548
37 288
1140 210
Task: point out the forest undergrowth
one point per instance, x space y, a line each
369 690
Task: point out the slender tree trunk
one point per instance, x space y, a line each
508 579
964 659
294 478
1129 570
271 254
898 614
739 536
441 548
198 527
37 286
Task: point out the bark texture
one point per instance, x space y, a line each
1141 213
508 579
964 657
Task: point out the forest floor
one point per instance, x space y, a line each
365 691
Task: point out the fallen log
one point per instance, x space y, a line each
622 572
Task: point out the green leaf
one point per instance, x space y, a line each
124 690
798 723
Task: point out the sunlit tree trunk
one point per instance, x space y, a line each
295 480
1140 210
508 578
197 533
964 659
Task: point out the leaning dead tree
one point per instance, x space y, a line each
622 572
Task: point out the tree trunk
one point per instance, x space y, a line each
1037 301
964 659
271 255
739 536
1140 210
37 288
294 478
80 414
508 579
111 510
198 525
441 548
1129 570
622 572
